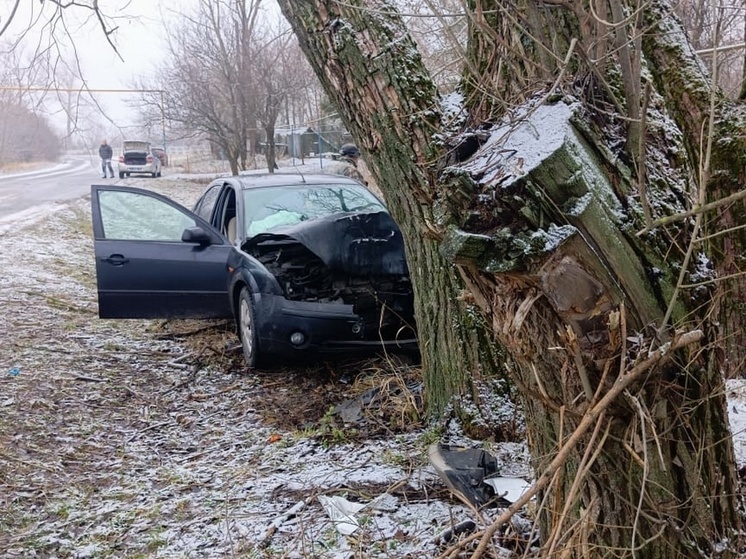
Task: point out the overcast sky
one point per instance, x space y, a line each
139 38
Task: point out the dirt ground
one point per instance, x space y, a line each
152 439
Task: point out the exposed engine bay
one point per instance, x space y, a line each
352 259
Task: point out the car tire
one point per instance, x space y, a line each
121 175
247 328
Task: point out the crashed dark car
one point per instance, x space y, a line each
302 264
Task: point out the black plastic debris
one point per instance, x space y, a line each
464 470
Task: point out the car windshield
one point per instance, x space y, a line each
272 207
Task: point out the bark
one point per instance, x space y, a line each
541 226
360 61
694 104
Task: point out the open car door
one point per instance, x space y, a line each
155 258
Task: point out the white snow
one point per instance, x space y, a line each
151 459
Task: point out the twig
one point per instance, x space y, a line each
189 380
148 428
589 419
454 531
642 187
589 457
697 210
89 379
280 520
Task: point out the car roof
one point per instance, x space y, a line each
246 182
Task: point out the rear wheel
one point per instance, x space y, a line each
121 175
247 328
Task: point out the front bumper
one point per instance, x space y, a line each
328 327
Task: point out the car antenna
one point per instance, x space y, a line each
302 178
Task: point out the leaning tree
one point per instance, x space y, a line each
566 194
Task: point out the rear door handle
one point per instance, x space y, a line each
117 260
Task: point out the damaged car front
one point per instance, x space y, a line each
320 268
301 263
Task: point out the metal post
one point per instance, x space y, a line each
163 123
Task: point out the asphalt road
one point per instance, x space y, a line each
25 194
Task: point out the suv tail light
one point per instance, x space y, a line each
121 158
149 159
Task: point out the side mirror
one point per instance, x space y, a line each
195 235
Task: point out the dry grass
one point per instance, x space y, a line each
151 439
22 167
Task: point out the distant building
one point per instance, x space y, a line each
304 142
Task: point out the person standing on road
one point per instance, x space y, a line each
105 153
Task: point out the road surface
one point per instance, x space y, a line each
26 194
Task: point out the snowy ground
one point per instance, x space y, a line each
151 439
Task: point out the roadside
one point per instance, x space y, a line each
151 439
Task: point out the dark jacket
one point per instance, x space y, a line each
105 151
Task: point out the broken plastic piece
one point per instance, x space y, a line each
509 489
463 470
341 511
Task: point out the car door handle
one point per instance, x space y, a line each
117 260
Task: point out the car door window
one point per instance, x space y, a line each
132 216
206 204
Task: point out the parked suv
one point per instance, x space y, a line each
137 158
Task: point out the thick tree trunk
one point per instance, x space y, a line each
362 73
542 231
573 304
695 104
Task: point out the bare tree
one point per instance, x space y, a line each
203 80
717 30
440 29
229 73
42 39
25 134
281 72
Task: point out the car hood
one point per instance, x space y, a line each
362 244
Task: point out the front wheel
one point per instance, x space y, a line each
121 175
247 328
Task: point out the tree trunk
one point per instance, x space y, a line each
539 219
269 130
577 294
695 105
453 341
